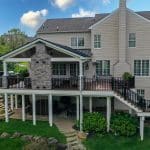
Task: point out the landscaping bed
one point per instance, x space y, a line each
17 134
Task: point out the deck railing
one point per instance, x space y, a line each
65 83
123 89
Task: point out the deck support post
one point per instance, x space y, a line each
34 108
50 110
142 119
81 112
108 113
23 108
16 101
90 104
77 107
6 108
12 102
130 111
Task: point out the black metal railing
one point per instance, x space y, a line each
19 83
97 84
65 83
123 89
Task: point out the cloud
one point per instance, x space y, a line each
105 2
83 13
62 4
33 19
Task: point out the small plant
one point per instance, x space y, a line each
127 76
93 123
124 124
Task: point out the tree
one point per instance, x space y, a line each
11 40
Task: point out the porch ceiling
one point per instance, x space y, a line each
65 50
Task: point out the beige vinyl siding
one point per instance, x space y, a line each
109 41
65 38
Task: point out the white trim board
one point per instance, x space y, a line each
32 44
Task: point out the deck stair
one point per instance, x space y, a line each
2 108
128 96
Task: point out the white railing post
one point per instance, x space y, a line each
23 108
50 110
108 113
34 108
6 108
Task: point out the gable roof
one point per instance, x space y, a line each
61 48
77 24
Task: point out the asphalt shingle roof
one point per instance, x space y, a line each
76 24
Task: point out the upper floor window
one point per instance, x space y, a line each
77 42
141 92
141 68
103 68
97 41
59 69
132 40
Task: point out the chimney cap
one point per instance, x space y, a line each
122 3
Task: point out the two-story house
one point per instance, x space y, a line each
83 60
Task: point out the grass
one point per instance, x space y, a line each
41 129
11 144
110 142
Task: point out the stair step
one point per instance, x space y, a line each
72 139
73 143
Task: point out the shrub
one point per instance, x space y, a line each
127 76
124 124
93 123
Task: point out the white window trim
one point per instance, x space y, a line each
77 37
94 42
132 41
140 91
141 76
103 73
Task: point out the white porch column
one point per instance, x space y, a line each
12 102
6 108
23 108
34 109
142 119
50 110
81 74
5 68
108 113
90 104
77 107
16 101
130 111
81 112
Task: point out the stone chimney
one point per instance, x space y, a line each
40 68
122 65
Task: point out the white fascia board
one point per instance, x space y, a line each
104 19
32 44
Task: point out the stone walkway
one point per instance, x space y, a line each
65 126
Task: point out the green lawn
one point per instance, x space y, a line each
11 144
41 129
110 142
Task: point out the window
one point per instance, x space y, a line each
74 69
141 67
59 69
141 92
103 68
77 42
97 41
132 40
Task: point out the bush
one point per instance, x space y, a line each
124 124
127 76
93 123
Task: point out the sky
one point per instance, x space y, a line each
28 15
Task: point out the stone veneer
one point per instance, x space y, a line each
40 68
